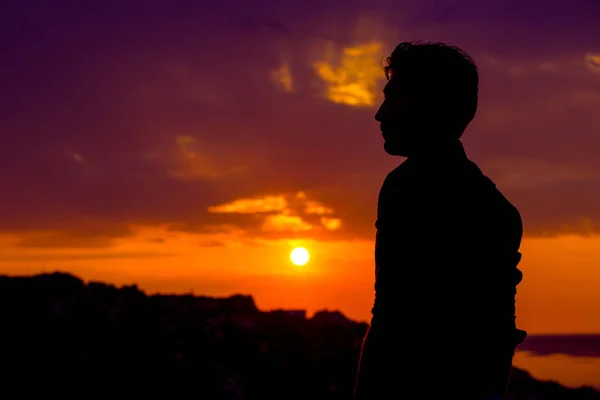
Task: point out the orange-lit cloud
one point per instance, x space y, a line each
197 161
290 213
78 158
313 207
593 62
253 205
331 223
283 76
285 223
352 73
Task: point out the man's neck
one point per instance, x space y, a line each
438 150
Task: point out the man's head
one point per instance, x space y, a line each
431 96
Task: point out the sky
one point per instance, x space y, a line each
188 146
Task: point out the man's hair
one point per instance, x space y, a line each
444 76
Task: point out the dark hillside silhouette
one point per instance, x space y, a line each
63 337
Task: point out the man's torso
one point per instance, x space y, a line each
446 263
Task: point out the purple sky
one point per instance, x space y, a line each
95 95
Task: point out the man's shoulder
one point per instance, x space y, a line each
483 188
399 175
437 176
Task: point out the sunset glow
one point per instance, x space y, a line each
191 148
177 166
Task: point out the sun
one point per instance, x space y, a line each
299 256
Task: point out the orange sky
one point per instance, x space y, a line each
190 148
558 294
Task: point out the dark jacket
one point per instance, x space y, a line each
447 250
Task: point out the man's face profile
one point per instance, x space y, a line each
398 116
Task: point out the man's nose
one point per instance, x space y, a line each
379 114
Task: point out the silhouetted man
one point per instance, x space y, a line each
447 244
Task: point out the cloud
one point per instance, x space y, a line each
283 77
352 76
194 107
103 255
285 223
313 207
523 173
290 215
332 224
78 158
198 162
593 62
251 206
571 345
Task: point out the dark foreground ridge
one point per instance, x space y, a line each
67 338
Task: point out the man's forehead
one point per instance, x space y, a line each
393 85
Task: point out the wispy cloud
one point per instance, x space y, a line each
290 213
283 76
198 161
252 205
352 73
593 62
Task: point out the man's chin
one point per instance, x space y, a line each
394 149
